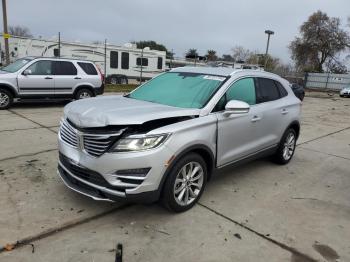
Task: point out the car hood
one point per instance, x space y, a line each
119 110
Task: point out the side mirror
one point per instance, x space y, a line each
236 107
27 72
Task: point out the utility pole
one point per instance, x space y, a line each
269 33
5 34
105 65
59 44
141 65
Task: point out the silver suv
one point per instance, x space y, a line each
32 77
165 139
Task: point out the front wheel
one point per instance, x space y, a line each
286 147
6 99
185 183
83 93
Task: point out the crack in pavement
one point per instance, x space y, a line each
29 154
64 227
29 128
37 123
332 133
329 154
292 250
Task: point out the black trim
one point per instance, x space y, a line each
44 88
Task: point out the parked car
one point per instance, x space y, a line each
298 91
345 92
165 139
34 77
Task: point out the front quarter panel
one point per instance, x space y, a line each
200 131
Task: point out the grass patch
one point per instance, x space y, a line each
120 88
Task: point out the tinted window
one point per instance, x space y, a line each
88 68
64 68
267 90
281 89
185 90
125 60
242 90
114 59
43 67
160 63
144 61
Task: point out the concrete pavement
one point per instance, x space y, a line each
256 212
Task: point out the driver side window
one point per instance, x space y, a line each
242 90
42 67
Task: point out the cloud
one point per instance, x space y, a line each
180 25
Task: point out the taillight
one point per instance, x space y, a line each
101 75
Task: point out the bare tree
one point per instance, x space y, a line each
19 30
321 39
240 54
211 55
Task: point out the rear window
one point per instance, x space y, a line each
64 68
267 90
88 68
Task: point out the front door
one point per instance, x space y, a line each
37 79
238 134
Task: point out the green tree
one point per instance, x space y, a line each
154 46
211 55
192 53
321 39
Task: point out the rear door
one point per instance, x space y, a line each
273 107
237 133
66 77
39 79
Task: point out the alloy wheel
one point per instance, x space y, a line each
4 99
289 146
84 95
188 183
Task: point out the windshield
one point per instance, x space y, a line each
186 90
15 66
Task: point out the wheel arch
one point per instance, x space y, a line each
9 88
84 86
296 126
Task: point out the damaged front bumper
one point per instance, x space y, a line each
134 176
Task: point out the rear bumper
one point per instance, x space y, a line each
100 90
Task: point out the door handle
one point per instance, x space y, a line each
48 77
77 77
256 119
284 111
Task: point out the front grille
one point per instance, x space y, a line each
68 134
96 145
93 144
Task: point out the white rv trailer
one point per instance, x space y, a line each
122 62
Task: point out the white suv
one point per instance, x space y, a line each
164 139
32 77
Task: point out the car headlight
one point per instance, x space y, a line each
139 143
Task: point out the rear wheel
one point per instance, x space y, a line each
185 183
83 93
286 147
6 99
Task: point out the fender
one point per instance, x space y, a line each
9 87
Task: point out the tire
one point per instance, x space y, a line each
114 80
6 99
286 147
124 81
171 195
83 93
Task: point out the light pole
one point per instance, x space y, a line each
5 34
269 33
